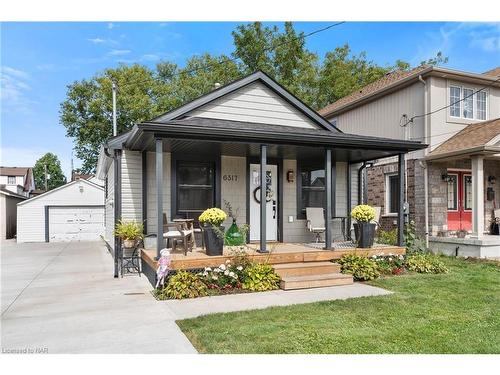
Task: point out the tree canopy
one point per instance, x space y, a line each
144 93
55 174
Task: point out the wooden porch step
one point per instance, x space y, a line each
315 281
306 268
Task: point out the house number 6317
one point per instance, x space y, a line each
230 177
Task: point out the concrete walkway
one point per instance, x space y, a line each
63 297
190 308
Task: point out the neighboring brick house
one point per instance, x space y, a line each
441 190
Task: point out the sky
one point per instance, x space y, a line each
39 60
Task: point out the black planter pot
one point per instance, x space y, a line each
365 234
214 240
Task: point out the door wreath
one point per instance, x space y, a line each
269 195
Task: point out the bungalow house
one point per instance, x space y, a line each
215 149
452 186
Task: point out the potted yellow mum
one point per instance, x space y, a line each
213 231
364 229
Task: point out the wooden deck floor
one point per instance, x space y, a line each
278 253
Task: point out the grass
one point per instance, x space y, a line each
458 312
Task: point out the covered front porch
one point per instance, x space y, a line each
465 192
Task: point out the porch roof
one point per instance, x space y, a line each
482 138
228 136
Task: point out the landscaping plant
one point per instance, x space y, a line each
260 277
390 264
183 285
226 276
360 267
425 263
387 237
413 243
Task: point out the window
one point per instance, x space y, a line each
454 101
467 192
466 103
311 189
11 180
452 195
392 194
481 105
195 188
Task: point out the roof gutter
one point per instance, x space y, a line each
191 131
473 150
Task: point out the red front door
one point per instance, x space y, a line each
459 197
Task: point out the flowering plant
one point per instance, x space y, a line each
390 264
363 213
213 216
226 276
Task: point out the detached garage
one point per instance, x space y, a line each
72 212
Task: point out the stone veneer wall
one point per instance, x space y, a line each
438 215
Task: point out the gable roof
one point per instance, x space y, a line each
495 72
14 171
399 78
242 82
475 137
61 188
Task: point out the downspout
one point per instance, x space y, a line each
362 198
117 158
423 164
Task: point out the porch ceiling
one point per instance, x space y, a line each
208 136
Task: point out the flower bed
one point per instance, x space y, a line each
241 276
364 269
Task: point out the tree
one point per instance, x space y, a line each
145 93
55 174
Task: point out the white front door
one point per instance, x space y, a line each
271 202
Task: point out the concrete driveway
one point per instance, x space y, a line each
62 298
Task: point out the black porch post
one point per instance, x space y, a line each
401 217
348 201
263 196
159 196
117 206
328 198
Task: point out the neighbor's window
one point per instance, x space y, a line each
311 189
468 104
195 188
454 101
452 192
11 180
481 105
392 191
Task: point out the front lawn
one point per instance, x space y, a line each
458 312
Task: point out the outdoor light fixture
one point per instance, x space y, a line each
492 180
290 176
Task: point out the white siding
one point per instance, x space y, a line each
151 186
31 213
255 103
132 186
382 117
109 212
234 191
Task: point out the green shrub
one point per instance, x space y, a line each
361 268
390 264
260 277
413 243
425 263
387 237
129 230
183 285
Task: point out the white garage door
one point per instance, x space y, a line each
75 223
